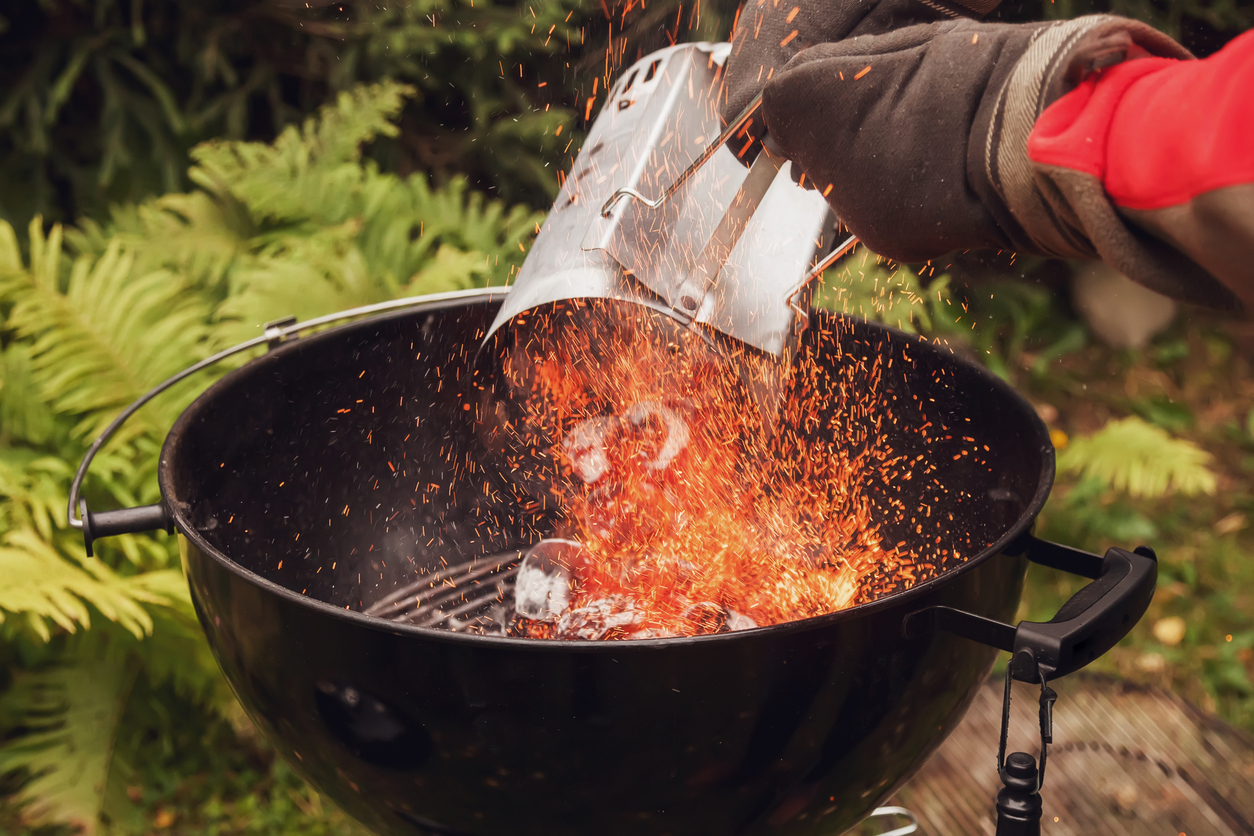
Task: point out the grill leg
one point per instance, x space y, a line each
1019 802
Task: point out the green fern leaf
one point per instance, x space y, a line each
1139 459
45 254
24 416
404 222
192 234
301 276
37 581
109 337
304 173
10 251
70 714
32 482
451 269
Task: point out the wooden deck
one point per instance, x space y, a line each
1126 760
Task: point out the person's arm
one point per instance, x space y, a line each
1140 156
1173 144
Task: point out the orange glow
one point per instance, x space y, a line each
690 515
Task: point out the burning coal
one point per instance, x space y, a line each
681 514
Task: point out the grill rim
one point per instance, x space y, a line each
486 296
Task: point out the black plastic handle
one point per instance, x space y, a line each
1093 621
123 521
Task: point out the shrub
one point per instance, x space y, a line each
96 315
107 98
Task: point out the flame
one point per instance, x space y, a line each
692 518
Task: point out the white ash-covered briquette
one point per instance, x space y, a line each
681 519
614 616
542 586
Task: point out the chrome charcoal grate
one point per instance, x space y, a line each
471 596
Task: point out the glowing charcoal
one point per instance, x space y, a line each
542 585
647 416
585 446
692 520
614 616
709 617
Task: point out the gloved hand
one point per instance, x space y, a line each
768 33
918 139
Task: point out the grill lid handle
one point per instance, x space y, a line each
1093 621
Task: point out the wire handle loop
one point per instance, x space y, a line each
897 812
733 127
840 251
274 334
1045 717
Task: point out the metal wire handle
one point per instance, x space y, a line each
1045 715
842 249
732 128
275 333
902 812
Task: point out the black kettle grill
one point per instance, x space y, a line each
331 473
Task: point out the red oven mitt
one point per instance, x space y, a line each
919 138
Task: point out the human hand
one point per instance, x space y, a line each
770 32
919 140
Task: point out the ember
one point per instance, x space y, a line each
680 515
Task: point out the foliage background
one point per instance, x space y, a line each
103 99
106 98
97 314
166 187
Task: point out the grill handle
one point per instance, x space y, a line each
1090 623
158 517
123 521
1086 626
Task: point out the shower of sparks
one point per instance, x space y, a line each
692 516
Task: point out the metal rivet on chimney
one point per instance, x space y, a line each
688 302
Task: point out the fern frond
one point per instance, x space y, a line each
301 276
45 254
468 219
24 417
31 483
10 251
306 172
1139 459
191 234
36 580
405 222
451 269
109 337
70 714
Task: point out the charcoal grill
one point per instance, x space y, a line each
342 533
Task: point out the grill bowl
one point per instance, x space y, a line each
317 479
